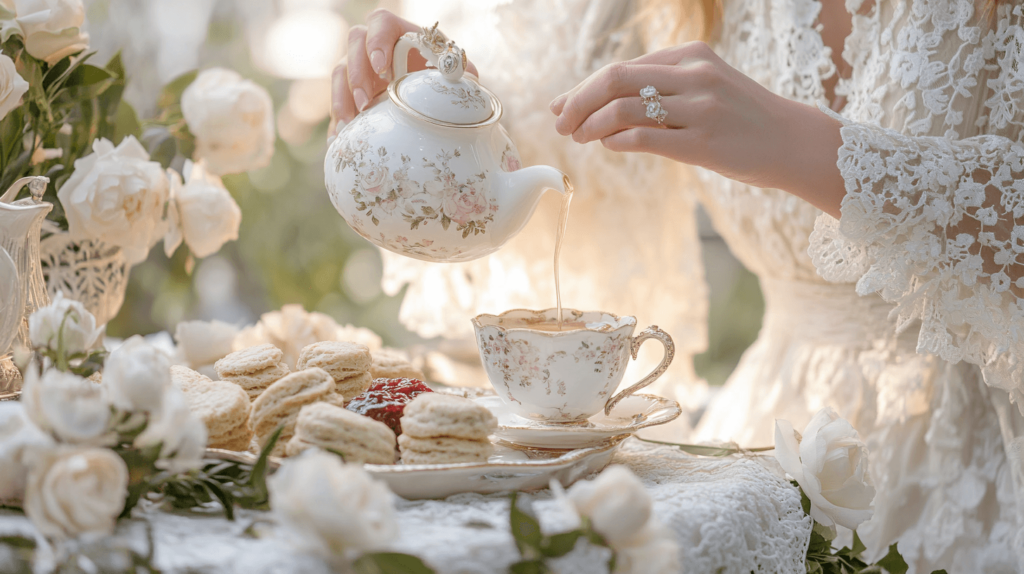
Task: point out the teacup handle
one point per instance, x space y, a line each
652 332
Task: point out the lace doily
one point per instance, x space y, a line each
729 516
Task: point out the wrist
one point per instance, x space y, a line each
809 141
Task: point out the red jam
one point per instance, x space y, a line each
385 400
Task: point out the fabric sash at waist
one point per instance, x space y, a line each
830 312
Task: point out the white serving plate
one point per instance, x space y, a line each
629 415
510 468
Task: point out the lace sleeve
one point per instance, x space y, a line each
935 226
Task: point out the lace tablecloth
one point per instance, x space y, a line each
729 515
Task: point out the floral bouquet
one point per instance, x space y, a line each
119 184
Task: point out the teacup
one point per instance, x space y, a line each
562 376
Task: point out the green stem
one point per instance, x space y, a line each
706 450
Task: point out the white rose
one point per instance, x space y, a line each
232 119
830 463
206 212
137 375
658 552
12 86
64 322
620 510
117 195
52 28
204 342
77 491
67 406
180 433
20 443
330 506
616 503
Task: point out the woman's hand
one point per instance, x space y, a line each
718 118
357 79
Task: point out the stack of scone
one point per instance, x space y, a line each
280 403
442 429
357 438
393 364
347 363
223 407
253 369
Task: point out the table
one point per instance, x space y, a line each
735 514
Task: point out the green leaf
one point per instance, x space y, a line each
943 571
559 545
115 66
445 222
171 94
226 500
525 529
258 477
529 567
18 542
893 562
126 123
858 546
390 563
340 454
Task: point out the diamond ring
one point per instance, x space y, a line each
651 100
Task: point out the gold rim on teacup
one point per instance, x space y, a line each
563 376
533 317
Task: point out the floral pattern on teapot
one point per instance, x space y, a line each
382 186
460 96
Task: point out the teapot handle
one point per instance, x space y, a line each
435 47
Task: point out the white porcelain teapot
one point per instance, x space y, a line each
427 171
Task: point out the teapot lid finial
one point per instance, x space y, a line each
443 96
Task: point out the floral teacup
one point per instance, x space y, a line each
562 376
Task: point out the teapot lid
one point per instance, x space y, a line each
444 96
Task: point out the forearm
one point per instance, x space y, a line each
809 142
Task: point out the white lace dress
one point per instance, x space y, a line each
906 315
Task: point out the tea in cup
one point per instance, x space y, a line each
562 372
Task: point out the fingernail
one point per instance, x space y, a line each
377 61
554 103
359 96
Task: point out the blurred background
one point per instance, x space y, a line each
293 247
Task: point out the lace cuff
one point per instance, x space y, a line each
930 224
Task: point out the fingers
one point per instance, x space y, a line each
665 57
625 113
343 109
615 81
383 29
673 144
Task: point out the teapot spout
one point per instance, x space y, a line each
533 182
518 193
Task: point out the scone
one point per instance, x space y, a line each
442 415
281 402
224 409
442 450
186 379
348 363
444 429
254 369
393 364
359 439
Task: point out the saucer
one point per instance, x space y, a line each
630 415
